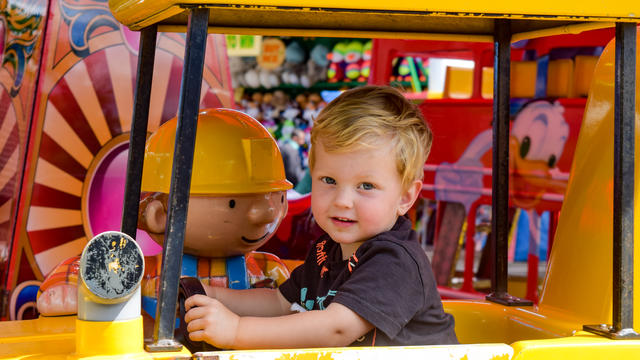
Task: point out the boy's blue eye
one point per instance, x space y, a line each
367 186
328 180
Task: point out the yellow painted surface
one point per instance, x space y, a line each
124 9
583 345
109 338
138 14
452 352
486 322
66 337
579 276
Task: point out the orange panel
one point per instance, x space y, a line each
523 79
560 78
487 82
458 83
583 73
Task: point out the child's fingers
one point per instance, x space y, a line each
197 325
197 335
197 300
200 312
195 313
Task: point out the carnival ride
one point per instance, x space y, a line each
591 268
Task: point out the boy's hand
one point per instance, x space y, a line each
208 320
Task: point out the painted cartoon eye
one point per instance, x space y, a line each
552 161
524 148
282 199
232 203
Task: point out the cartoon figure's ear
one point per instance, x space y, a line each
155 217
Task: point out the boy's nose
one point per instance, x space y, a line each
343 199
261 212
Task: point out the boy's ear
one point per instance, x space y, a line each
409 196
155 216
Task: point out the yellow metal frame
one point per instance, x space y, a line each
441 20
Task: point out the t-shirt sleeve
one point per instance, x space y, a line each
385 287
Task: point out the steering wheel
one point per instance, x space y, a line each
189 286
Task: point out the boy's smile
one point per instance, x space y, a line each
357 194
342 221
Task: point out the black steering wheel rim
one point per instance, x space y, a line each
190 286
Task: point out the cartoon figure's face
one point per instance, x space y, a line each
537 140
221 226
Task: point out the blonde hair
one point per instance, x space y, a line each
364 117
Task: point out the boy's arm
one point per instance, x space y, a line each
210 321
251 302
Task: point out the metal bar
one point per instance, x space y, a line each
500 168
181 176
500 175
623 175
138 136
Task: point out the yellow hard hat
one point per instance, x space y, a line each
234 154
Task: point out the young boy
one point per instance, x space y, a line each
367 281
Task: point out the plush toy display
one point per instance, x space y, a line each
269 78
238 199
316 66
336 57
365 68
293 66
306 62
252 78
353 60
238 68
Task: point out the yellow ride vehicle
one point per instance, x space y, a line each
587 300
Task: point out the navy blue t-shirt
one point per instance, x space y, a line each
388 281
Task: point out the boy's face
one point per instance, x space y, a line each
358 193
